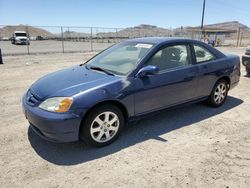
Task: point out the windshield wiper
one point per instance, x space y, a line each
100 69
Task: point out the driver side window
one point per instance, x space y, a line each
171 57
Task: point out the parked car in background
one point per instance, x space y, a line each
20 37
246 60
5 38
32 38
93 101
39 38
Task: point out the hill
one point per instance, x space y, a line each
74 34
142 30
233 25
7 31
138 31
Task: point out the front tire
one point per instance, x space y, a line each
102 125
219 93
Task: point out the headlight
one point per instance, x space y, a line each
57 104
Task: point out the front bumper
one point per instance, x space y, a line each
21 42
54 127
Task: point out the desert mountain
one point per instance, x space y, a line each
7 31
137 31
233 25
142 30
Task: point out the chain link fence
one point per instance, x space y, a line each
64 39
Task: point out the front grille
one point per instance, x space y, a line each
31 99
23 40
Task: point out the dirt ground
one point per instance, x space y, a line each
193 146
50 46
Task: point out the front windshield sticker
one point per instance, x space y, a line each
140 45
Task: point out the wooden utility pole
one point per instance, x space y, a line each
202 17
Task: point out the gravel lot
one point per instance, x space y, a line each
193 146
50 46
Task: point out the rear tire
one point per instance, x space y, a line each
219 93
102 125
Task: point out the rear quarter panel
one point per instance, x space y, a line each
234 68
210 72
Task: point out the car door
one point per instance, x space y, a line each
208 67
174 84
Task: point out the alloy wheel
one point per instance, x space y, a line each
220 93
104 127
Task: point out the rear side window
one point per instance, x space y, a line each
202 54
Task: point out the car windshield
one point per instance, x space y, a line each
21 34
121 58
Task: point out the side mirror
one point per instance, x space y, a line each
148 70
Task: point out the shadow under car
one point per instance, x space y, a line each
161 123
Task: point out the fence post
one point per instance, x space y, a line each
91 38
27 42
1 59
62 39
117 40
241 36
238 37
192 33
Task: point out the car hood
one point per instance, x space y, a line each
70 81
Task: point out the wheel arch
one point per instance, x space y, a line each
226 78
116 103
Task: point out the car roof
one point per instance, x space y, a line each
158 40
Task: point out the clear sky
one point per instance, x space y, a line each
122 13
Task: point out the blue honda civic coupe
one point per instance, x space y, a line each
93 101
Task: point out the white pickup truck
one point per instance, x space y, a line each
20 37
